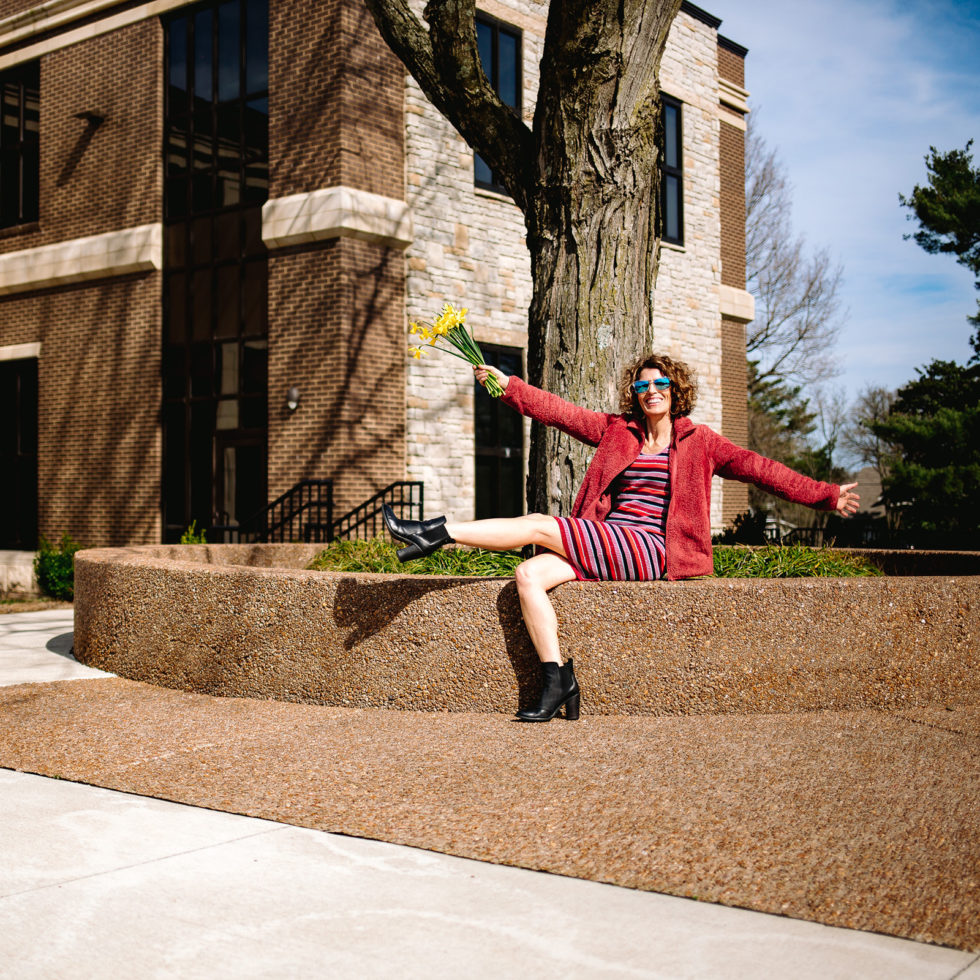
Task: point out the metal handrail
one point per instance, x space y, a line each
401 495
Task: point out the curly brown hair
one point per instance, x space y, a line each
683 386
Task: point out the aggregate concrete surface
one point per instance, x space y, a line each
864 819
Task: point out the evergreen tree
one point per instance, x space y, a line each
933 484
948 211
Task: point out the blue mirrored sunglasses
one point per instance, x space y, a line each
641 387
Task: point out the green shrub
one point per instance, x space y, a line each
193 536
54 567
796 561
378 555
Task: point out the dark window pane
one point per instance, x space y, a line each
253 413
255 369
227 237
176 197
229 51
177 307
256 46
10 123
174 469
201 461
510 487
174 371
203 56
507 72
176 153
32 112
202 370
177 53
482 174
201 240
203 146
671 133
484 41
228 301
256 299
201 315
202 192
672 208
486 480
253 232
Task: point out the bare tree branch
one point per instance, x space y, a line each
445 61
798 307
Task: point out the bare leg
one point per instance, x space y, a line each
535 577
504 533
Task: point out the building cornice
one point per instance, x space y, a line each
701 15
48 25
733 95
116 253
336 212
736 304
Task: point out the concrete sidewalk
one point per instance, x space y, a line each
95 883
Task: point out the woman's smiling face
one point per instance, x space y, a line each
654 403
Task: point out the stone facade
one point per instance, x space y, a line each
470 249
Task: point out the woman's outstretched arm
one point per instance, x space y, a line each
580 423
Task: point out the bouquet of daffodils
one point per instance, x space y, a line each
449 324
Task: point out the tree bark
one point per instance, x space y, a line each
586 178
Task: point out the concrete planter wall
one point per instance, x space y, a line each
250 621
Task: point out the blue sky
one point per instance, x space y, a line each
852 95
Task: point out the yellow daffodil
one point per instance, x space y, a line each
450 324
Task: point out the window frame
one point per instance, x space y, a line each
670 171
496 26
26 150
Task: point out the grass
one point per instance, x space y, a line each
378 555
794 561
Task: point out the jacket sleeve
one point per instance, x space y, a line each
580 423
735 463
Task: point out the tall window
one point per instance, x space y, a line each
671 173
20 93
499 444
500 55
215 357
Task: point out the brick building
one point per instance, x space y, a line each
204 207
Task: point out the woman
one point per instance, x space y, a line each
642 512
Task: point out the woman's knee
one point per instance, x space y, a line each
527 575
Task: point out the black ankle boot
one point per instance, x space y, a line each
560 689
422 537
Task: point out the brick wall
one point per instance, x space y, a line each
734 417
337 334
104 179
732 206
734 421
731 65
335 100
99 402
99 370
336 310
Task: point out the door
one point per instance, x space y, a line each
499 444
18 454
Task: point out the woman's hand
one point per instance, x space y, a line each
847 502
482 372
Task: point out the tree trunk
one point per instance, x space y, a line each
592 227
586 178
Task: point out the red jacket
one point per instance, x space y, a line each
696 454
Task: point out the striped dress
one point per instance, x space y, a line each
629 544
